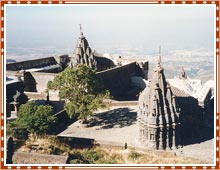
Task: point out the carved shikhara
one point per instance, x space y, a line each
157 117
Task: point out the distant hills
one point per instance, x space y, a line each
10 61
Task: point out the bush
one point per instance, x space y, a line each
12 129
20 133
92 156
77 158
111 160
133 155
36 119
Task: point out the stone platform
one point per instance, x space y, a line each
118 126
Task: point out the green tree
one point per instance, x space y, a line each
81 89
36 119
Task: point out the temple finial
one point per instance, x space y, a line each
158 65
159 60
80 27
182 73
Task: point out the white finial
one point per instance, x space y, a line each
80 27
182 73
159 60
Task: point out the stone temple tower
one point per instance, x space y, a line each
82 53
157 116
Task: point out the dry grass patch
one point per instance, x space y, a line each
45 145
160 157
103 155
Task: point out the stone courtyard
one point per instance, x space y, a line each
118 126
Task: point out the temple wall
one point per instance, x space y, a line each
35 158
117 80
28 64
37 63
104 63
36 96
42 79
115 103
12 88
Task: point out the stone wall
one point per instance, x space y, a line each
115 103
117 80
12 88
190 119
28 64
42 79
38 63
104 63
35 158
36 96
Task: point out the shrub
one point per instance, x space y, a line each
12 129
133 155
93 155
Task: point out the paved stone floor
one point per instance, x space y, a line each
202 151
119 125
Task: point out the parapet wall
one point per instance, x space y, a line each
104 63
42 79
36 158
118 79
115 103
38 63
28 64
36 96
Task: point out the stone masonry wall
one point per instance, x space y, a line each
35 158
117 80
28 64
42 79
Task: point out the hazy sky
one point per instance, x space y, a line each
114 27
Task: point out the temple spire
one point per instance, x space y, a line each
159 60
182 73
80 27
158 66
